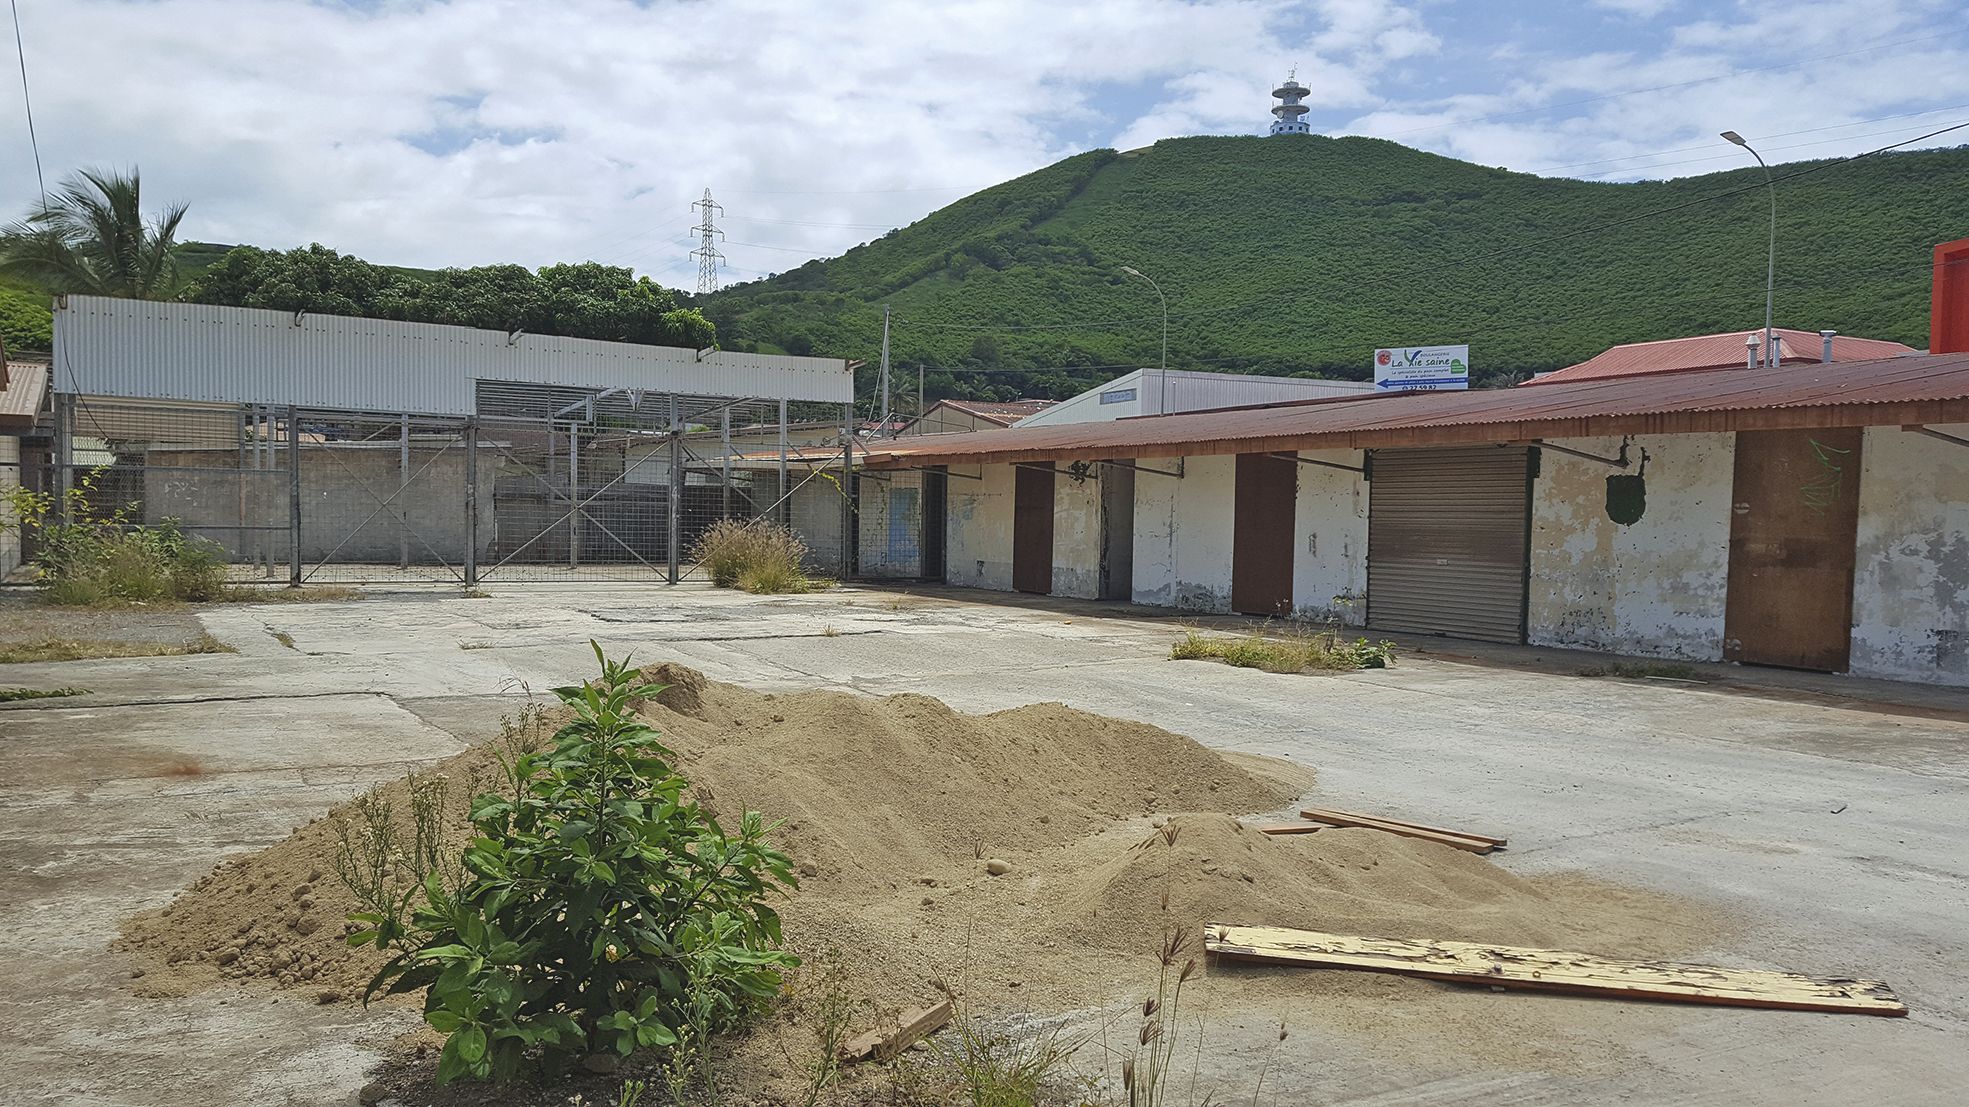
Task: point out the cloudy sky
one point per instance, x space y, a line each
426 132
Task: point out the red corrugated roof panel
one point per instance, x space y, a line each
1716 351
1903 390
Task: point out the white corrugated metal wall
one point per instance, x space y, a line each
148 350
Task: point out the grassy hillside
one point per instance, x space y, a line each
1303 255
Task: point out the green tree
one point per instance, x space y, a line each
310 278
91 236
25 322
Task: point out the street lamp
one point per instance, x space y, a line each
1162 408
1771 267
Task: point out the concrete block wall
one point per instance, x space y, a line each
979 528
1911 578
1077 535
1183 533
1655 587
1329 558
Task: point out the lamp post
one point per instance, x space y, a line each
1771 266
1162 377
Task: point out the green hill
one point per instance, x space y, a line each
1303 255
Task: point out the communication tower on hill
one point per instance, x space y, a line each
706 254
1288 116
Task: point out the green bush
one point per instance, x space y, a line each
97 559
599 909
1292 652
755 555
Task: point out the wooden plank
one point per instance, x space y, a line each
1290 828
1329 814
1362 822
885 1042
1554 970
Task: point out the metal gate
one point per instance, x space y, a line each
1448 536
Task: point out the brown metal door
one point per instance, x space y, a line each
1032 530
1795 511
1447 542
1261 534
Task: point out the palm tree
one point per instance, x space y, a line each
91 237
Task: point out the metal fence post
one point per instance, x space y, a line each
293 496
676 486
725 478
471 503
403 492
64 455
847 490
573 494
781 512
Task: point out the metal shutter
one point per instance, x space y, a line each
1446 542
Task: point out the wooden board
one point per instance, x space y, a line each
1554 970
1794 519
885 1042
1333 815
1447 838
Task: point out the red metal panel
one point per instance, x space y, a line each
1948 326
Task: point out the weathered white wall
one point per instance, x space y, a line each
1077 535
1330 538
979 529
1655 587
1911 575
10 531
1183 534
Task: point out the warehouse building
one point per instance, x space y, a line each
1812 515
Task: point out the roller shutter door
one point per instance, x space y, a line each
1447 535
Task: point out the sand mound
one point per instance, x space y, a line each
876 795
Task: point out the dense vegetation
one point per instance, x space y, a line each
1301 256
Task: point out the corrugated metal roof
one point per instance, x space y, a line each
1005 413
20 401
1715 351
1931 388
151 350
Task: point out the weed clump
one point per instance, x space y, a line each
1291 653
89 559
1667 670
760 557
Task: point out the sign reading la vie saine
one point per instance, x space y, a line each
1421 368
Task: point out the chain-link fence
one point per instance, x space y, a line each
543 484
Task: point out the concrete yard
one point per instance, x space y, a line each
1824 816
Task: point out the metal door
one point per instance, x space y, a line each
1261 534
1117 532
1032 529
1795 513
1448 532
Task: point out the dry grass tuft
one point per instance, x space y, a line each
87 649
1289 653
15 695
760 557
1667 670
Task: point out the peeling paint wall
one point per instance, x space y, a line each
1329 558
1183 534
979 527
1655 587
1077 535
1911 575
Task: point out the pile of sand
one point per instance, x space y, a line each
876 795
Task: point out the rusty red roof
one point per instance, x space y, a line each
1716 351
1005 413
1927 388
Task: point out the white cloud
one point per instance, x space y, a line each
469 131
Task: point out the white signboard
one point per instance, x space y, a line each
1421 368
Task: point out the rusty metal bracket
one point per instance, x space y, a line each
1917 429
1360 470
1619 462
1178 474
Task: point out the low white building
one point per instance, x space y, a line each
1810 516
1160 392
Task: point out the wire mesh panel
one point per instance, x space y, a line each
383 495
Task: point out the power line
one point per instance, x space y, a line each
27 102
805 223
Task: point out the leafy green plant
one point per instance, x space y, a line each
599 909
87 557
1288 652
15 695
